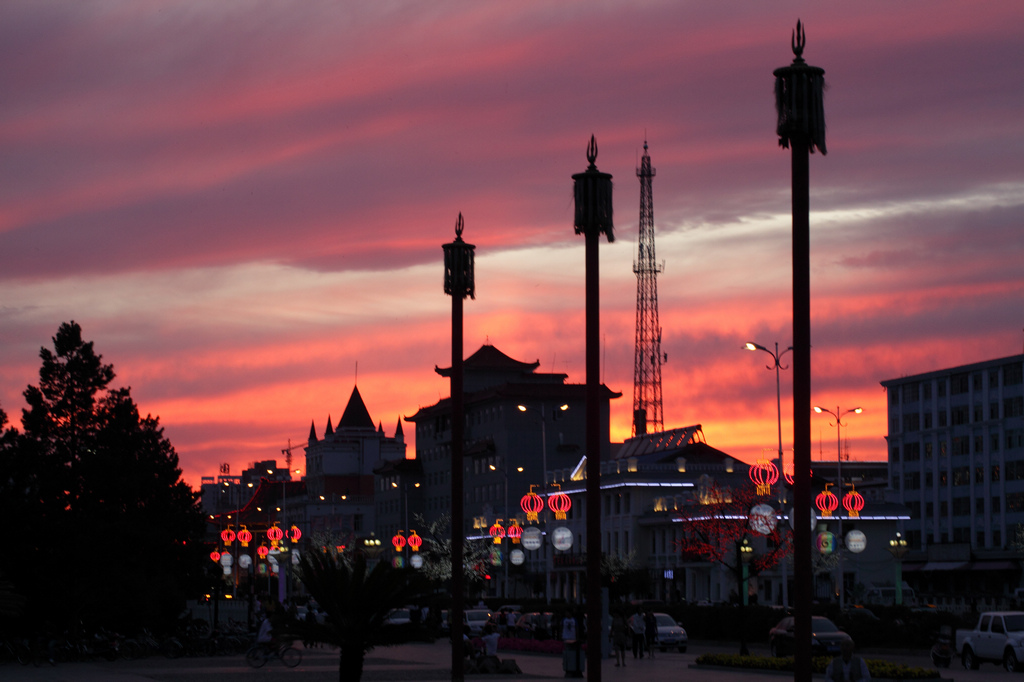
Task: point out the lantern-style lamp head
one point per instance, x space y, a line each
458 265
799 99
592 190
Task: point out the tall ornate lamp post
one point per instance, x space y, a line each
777 365
459 282
898 547
801 126
592 191
838 416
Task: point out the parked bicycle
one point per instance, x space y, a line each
258 655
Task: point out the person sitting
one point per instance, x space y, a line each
846 667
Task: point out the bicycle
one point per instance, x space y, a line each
258 655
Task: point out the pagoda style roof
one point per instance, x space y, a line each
490 358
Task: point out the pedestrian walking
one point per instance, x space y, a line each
619 635
650 632
638 627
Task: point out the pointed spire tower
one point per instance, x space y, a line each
647 403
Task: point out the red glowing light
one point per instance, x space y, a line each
826 501
415 541
533 505
764 475
398 541
228 536
275 534
853 502
560 504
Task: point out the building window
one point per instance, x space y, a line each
979 444
995 505
961 475
911 422
1014 439
943 418
959 415
997 538
994 442
894 396
993 410
995 473
1013 374
943 509
1013 407
976 381
911 452
910 392
1014 471
896 453
961 506
912 481
927 480
926 390
929 509
1015 502
958 384
979 505
927 420
928 451
961 445
941 392
943 478
979 413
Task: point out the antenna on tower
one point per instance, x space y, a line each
647 402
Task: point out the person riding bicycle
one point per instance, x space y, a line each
265 637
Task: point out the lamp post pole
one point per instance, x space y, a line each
592 194
459 282
837 415
801 126
898 547
777 364
544 479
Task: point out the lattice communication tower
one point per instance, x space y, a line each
647 403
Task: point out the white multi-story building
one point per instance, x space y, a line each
956 458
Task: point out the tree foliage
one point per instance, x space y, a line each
719 518
111 534
437 552
357 601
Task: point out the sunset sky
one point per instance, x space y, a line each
240 202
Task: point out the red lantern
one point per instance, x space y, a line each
245 537
262 551
497 532
215 555
787 471
533 505
415 541
398 541
515 531
294 533
764 475
560 504
228 536
853 502
826 501
275 534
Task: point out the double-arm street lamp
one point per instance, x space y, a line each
898 547
544 468
508 517
777 365
839 423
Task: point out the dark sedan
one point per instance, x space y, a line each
826 638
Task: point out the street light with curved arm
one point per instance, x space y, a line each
777 365
544 468
839 423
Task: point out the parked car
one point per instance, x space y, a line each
476 619
670 633
399 617
534 625
826 638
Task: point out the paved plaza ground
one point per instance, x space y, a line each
423 662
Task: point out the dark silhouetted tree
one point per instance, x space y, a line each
357 601
112 534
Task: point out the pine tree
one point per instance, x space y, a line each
112 532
